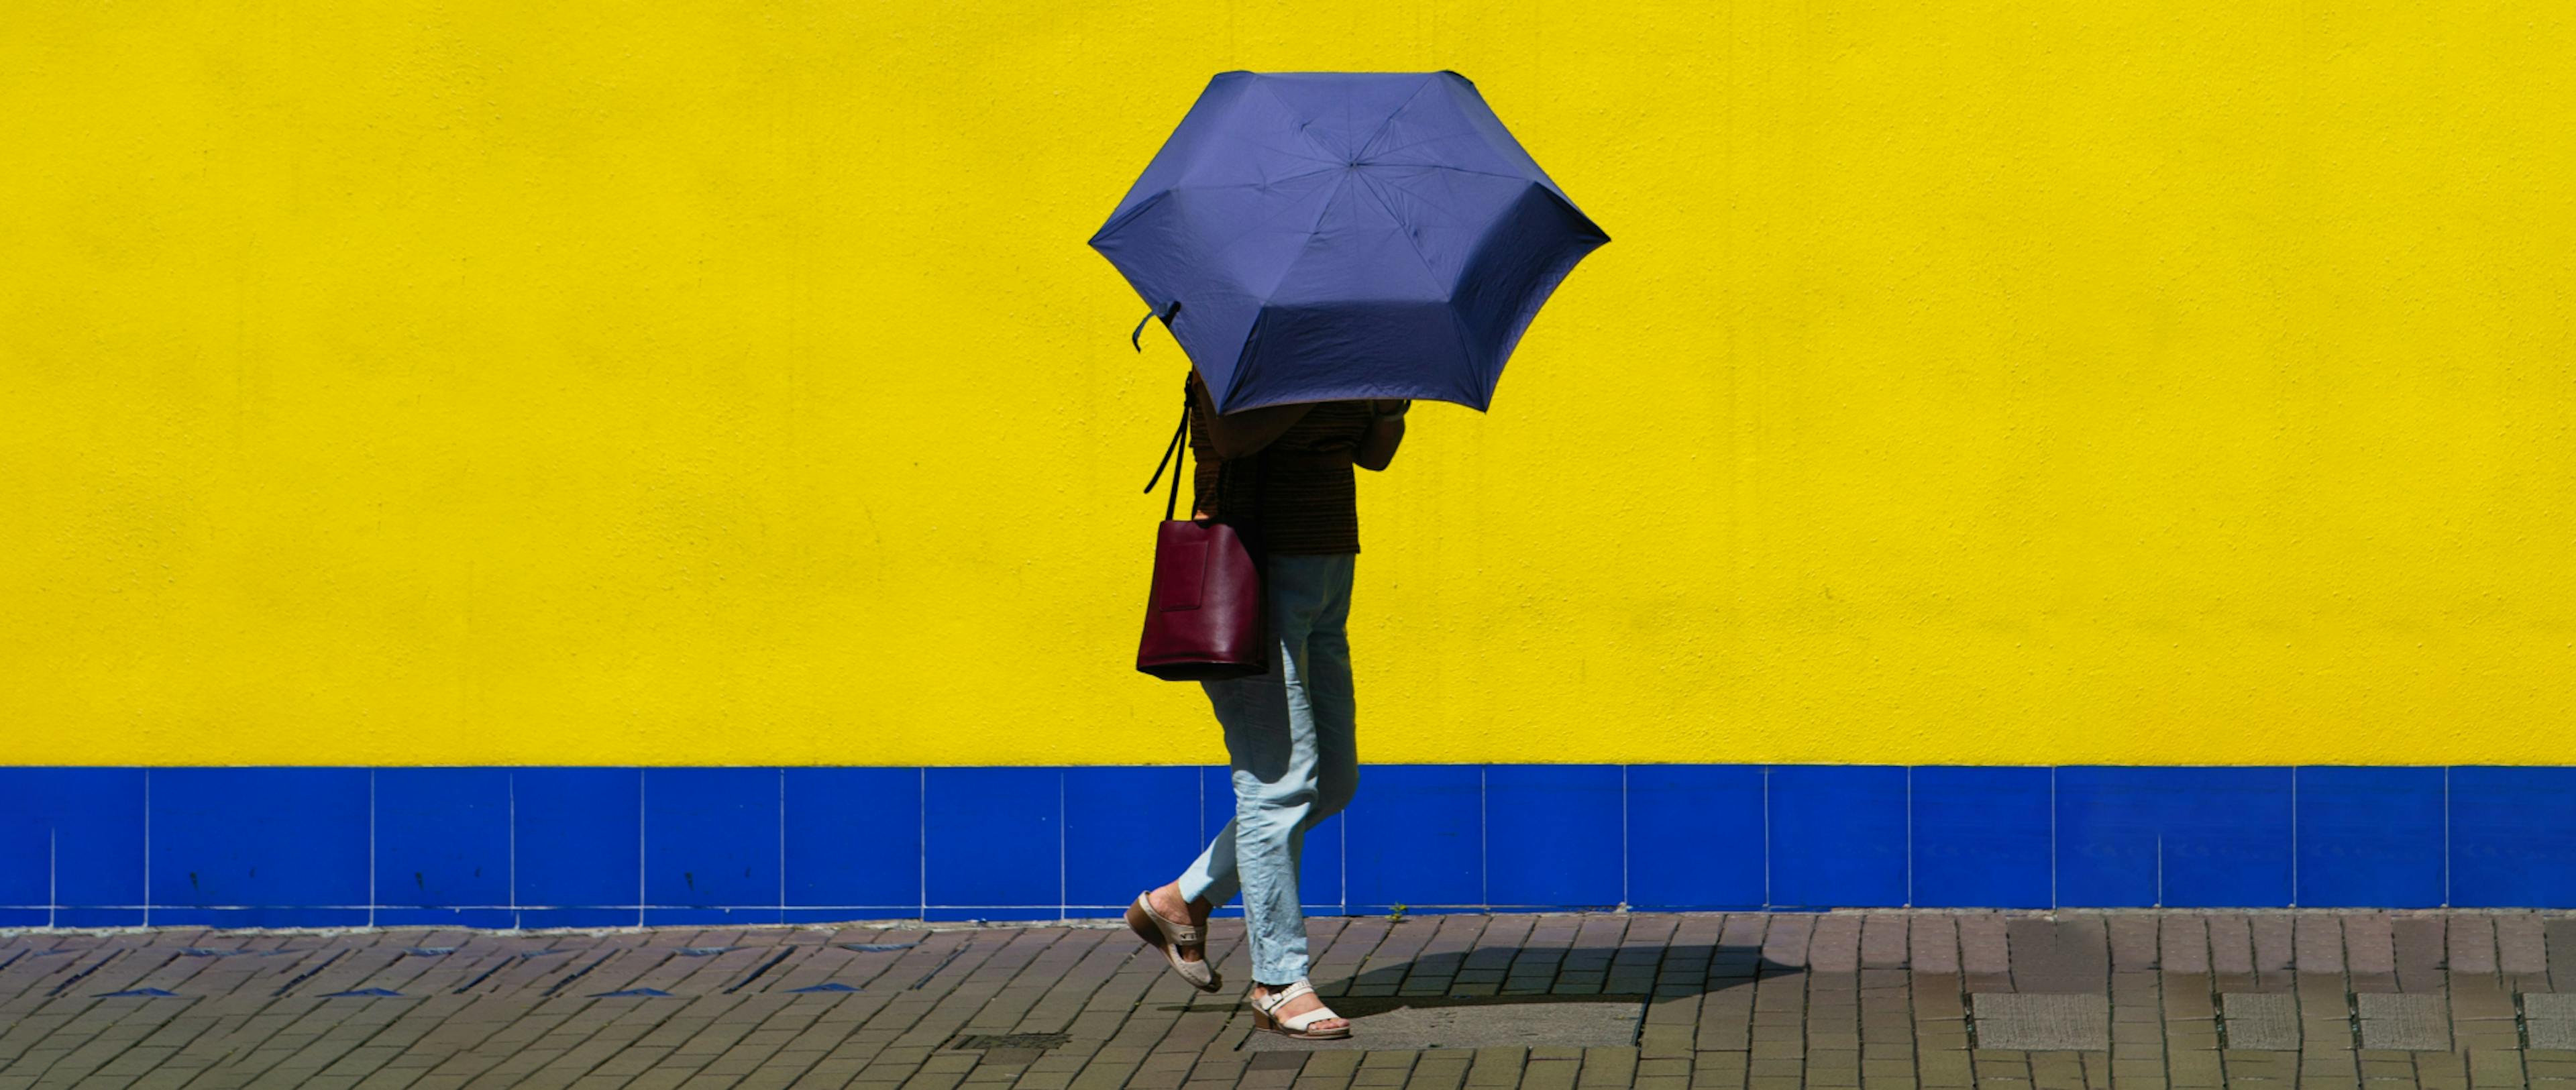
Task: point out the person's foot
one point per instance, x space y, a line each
1298 1006
1166 903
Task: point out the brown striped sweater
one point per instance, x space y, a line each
1297 495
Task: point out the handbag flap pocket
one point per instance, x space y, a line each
1180 571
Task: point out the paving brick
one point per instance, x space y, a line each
2471 943
1982 946
1849 999
2274 950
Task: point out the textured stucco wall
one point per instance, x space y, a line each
722 383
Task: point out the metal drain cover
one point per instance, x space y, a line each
2412 1023
2551 1019
2262 1020
2043 1023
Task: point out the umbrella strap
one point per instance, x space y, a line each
1172 453
1137 338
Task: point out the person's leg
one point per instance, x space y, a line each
1328 686
1270 740
1250 731
1260 737
1319 700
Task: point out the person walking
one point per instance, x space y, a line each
1290 733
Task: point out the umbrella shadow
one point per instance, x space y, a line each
1581 974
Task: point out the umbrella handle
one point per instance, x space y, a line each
1137 338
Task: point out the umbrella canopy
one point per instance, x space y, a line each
1321 236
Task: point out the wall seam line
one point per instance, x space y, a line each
511 782
1062 894
782 844
643 783
921 840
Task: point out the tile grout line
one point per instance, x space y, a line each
147 847
1766 837
1061 910
371 848
782 844
511 780
354 907
53 875
2052 838
1909 836
1623 836
2446 836
642 784
2294 839
1484 849
921 840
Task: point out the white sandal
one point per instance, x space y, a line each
1265 1016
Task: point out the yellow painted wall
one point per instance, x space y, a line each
477 382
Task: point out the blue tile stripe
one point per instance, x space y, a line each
589 847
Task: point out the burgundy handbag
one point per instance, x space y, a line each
1203 621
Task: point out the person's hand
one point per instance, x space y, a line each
1389 406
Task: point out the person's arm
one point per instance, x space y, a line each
1243 433
1385 433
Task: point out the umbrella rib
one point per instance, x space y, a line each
1284 104
1466 170
1127 215
1466 350
1267 181
1328 163
1269 219
1365 145
1432 140
1409 240
1317 227
1314 229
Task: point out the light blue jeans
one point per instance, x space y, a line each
1292 742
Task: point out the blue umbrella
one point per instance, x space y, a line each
1321 236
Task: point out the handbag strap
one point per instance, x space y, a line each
1172 456
1172 460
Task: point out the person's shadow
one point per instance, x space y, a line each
1585 996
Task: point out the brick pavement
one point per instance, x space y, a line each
1866 999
